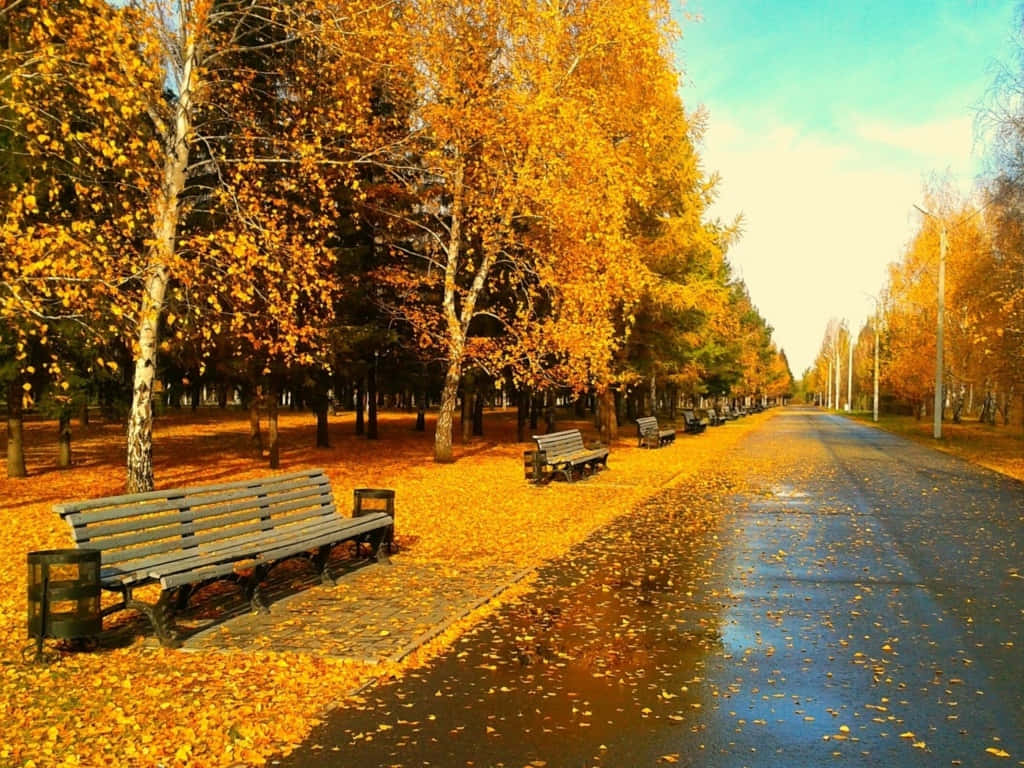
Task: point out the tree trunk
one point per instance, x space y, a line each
609 429
255 436
421 412
1004 409
522 415
478 414
446 413
15 440
360 409
273 435
83 412
549 412
157 274
468 393
64 439
139 458
320 407
371 399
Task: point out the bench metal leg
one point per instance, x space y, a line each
376 539
251 586
182 594
320 563
159 615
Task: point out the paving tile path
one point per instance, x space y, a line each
375 613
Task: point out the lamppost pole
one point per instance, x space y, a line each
939 374
874 414
849 378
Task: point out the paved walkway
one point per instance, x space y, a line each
374 613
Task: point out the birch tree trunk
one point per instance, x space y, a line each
458 316
446 414
456 332
158 273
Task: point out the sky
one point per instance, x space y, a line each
825 120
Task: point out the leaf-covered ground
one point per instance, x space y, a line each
144 706
148 706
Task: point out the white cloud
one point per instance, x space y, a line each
938 140
823 216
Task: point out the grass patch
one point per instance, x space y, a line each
1000 448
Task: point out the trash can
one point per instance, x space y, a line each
366 500
533 465
63 595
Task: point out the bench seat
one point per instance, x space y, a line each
184 538
694 424
565 452
650 435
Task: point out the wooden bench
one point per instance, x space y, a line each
185 538
650 435
713 418
694 425
564 452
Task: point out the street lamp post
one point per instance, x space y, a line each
939 395
939 399
874 415
849 379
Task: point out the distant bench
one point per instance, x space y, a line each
713 418
693 423
565 452
185 538
650 435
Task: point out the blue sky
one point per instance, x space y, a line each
825 120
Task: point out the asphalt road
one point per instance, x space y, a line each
832 595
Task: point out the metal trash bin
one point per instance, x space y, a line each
63 595
366 500
533 465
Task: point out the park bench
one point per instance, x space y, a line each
727 414
650 435
693 424
184 538
713 418
565 452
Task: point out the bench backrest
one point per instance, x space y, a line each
560 443
138 530
689 416
647 425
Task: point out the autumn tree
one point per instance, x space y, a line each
522 193
176 170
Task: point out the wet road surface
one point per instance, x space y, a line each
831 595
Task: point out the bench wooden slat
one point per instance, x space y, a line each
120 537
270 482
90 512
183 572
